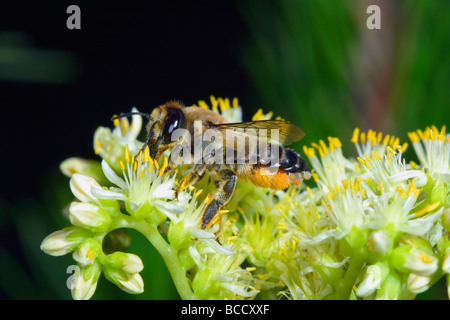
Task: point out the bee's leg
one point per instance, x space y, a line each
195 175
225 183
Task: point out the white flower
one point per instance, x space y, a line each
418 284
64 241
332 167
109 144
81 186
231 111
84 282
432 147
143 186
90 216
371 282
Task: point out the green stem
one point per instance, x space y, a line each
344 287
168 253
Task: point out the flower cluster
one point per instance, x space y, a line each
373 227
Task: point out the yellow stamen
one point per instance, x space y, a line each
164 166
116 121
203 104
90 255
127 154
324 146
122 166
235 102
355 136
198 193
411 188
363 137
258 115
214 102
425 258
147 154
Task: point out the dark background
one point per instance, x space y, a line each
314 63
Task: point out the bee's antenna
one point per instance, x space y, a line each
122 115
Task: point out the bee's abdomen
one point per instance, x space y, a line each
277 172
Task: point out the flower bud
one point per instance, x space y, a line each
86 252
178 236
414 255
128 262
86 167
85 281
89 216
390 288
131 283
64 241
81 185
379 243
418 284
373 278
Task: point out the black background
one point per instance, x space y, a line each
127 54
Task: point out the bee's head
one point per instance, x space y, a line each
163 121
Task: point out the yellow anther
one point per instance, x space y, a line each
90 255
379 137
363 137
116 121
345 184
412 188
324 146
420 134
258 115
124 125
122 166
127 154
367 157
198 193
164 166
425 258
235 102
140 174
434 206
315 177
374 156
147 154
203 104
337 143
214 102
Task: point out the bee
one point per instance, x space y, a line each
257 164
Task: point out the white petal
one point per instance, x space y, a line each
218 248
164 191
80 185
112 176
108 194
137 123
200 234
419 177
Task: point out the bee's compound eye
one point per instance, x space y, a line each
175 119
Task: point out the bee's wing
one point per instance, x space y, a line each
279 131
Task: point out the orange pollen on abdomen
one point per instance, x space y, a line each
262 177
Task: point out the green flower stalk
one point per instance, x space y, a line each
375 226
